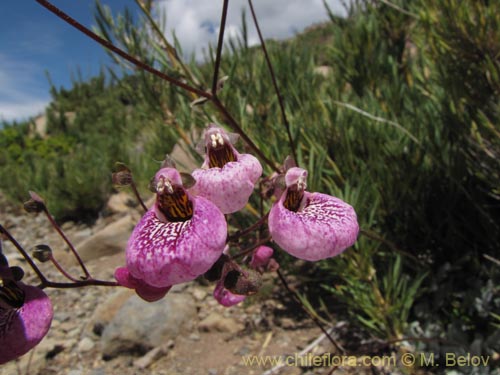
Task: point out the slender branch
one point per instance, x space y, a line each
314 319
275 83
43 280
219 47
68 242
252 227
78 284
172 53
62 270
138 197
378 119
251 248
25 255
65 17
399 9
232 122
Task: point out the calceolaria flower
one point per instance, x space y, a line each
311 226
226 178
25 314
179 238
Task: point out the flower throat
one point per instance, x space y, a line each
176 206
219 156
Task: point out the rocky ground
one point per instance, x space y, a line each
107 330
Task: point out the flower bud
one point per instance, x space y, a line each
122 176
245 282
17 273
42 253
34 206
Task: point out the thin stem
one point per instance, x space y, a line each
65 17
275 83
62 270
251 248
78 284
68 242
219 47
252 227
24 254
136 192
172 53
232 122
314 319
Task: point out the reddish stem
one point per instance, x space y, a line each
68 242
252 227
219 47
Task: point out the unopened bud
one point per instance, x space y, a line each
245 282
42 253
122 176
17 273
35 204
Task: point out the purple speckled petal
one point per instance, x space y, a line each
323 228
145 291
228 187
167 253
23 328
261 256
225 297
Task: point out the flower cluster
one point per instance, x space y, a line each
184 234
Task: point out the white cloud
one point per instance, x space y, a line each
196 22
21 95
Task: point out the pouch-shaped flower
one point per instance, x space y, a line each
25 316
179 238
311 226
226 178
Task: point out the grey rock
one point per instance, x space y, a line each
110 240
140 326
86 344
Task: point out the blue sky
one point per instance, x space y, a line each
33 41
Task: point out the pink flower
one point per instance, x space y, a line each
226 178
25 316
225 297
146 292
311 226
178 239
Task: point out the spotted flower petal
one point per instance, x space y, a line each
311 226
178 239
22 328
145 291
226 178
225 297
